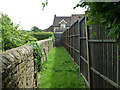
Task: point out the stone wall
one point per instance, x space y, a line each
18 65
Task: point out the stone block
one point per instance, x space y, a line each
18 65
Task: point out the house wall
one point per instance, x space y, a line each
54 28
50 29
18 65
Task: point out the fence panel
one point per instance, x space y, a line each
76 43
100 53
83 51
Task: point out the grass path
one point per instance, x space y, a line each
60 71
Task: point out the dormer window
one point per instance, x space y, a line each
62 25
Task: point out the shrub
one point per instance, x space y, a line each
12 37
37 58
36 29
43 35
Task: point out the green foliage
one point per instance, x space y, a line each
37 55
36 29
43 35
105 13
48 46
44 4
37 58
12 36
60 71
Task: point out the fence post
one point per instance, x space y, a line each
87 52
79 42
66 39
63 39
70 41
73 44
118 62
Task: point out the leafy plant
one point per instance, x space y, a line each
37 58
105 13
45 4
43 35
12 37
36 29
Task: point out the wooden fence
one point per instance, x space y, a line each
95 53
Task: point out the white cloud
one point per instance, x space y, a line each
29 12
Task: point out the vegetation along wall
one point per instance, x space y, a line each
18 65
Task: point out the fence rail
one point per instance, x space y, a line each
96 55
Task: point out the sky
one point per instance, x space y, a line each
29 13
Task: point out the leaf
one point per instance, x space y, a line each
46 2
94 33
43 4
89 22
112 30
91 36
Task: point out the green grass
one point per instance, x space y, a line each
60 71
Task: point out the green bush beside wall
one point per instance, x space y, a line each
43 35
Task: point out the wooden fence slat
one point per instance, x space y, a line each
70 41
84 59
102 41
117 63
79 42
73 44
66 40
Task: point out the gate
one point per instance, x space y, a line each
58 41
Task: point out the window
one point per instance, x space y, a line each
62 25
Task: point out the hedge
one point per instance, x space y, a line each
43 35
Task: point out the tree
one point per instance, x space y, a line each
12 36
36 29
45 4
105 13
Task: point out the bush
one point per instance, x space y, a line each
12 37
36 29
43 35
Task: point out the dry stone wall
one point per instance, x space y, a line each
45 44
18 65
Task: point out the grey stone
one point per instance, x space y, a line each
18 65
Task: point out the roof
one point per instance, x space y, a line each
50 29
69 19
59 19
62 21
75 17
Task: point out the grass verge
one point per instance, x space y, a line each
60 71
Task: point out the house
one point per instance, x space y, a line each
61 23
50 29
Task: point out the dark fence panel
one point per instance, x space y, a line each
58 41
83 51
95 53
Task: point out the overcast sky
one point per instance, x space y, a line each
28 13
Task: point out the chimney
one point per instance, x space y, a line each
54 15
